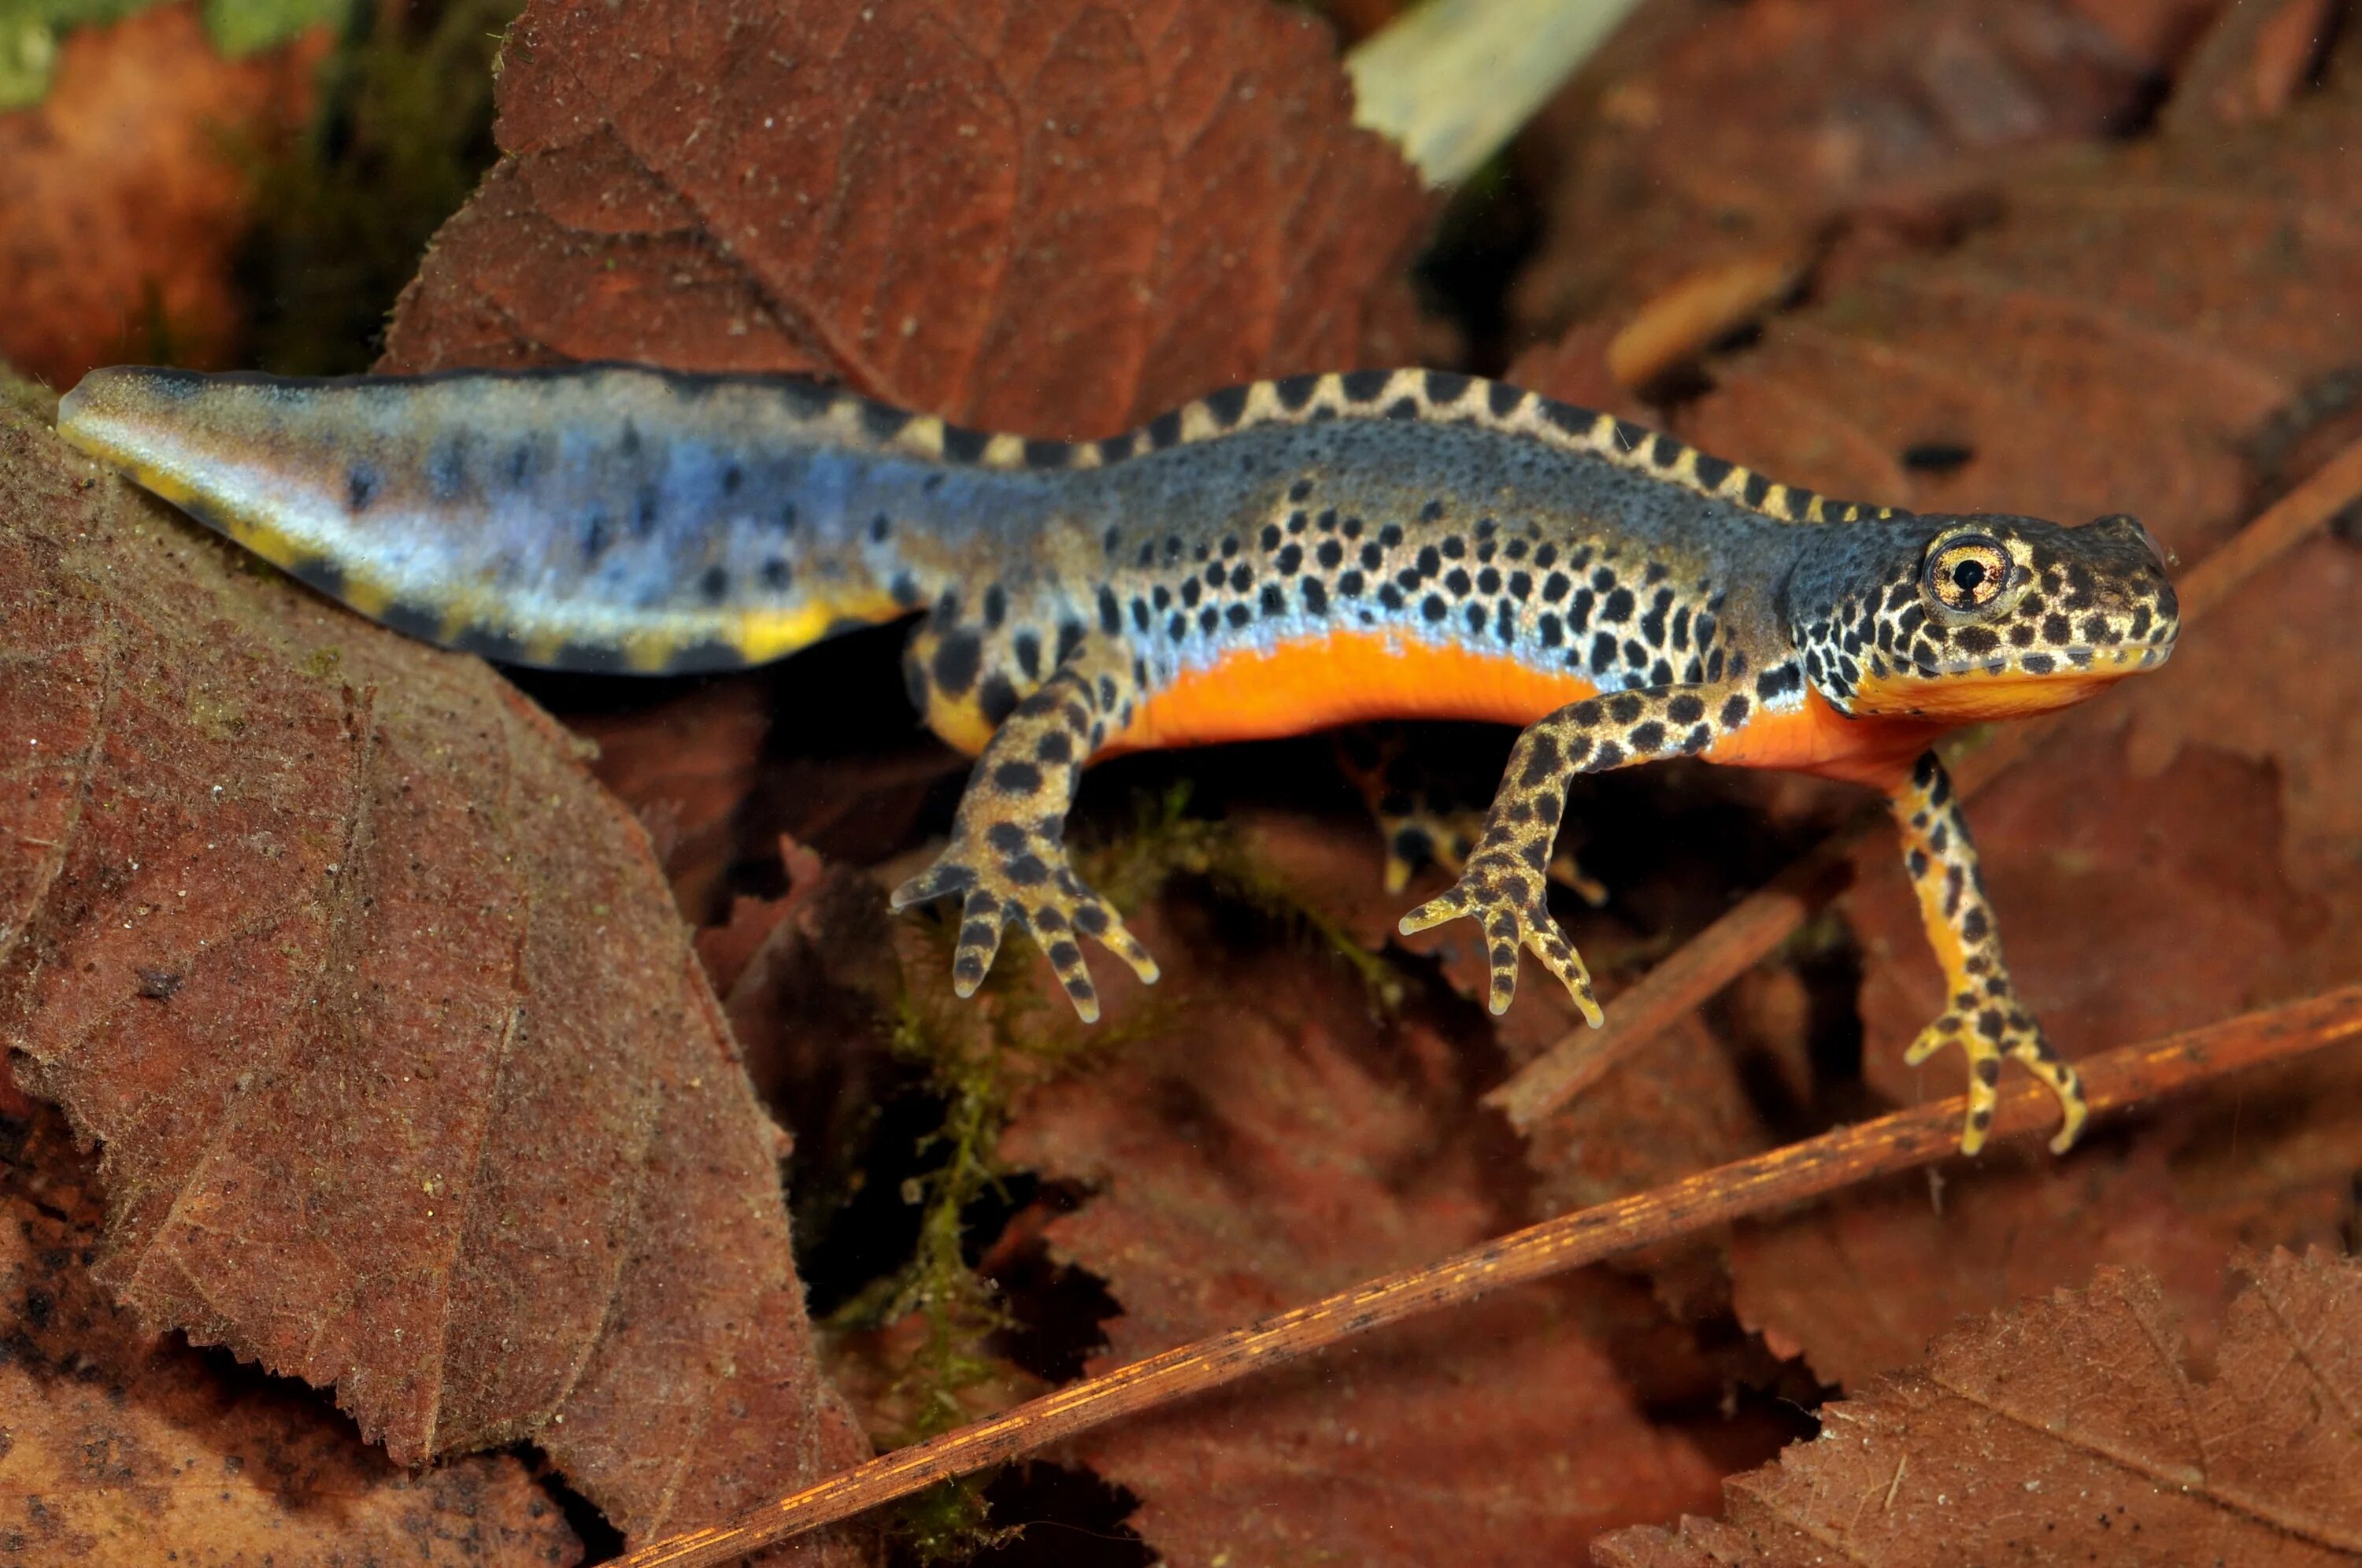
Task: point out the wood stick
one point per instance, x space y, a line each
2113 1080
1752 928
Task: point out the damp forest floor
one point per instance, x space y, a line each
490 1117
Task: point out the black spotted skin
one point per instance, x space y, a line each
1270 559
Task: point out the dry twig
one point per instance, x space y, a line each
2114 1080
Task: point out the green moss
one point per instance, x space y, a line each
32 32
22 396
403 132
975 1057
1165 841
945 1523
243 27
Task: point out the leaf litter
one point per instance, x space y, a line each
2154 878
113 1442
1058 219
2076 1428
1699 181
622 225
1268 174
404 1078
1253 1136
2207 497
1263 1144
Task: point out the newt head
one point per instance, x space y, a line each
1965 618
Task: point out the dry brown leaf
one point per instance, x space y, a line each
1743 137
1057 218
1821 1285
1693 1102
2148 879
1255 1136
406 1079
2033 369
2075 1429
116 1449
683 764
2270 683
1263 1142
122 196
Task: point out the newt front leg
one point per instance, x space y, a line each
1505 887
1982 1015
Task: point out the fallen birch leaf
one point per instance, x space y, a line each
2074 1428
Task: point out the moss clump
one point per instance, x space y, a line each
403 131
974 1058
1165 841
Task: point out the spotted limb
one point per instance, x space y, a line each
1270 559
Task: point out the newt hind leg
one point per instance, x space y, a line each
1420 821
1007 855
1982 1015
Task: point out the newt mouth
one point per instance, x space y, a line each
2007 689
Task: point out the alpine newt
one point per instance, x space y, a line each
1270 559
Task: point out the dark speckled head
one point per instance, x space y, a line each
1974 617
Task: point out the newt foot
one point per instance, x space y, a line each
1987 1035
1506 896
1420 835
1018 878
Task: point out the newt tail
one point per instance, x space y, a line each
1270 559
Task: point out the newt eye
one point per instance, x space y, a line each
1967 572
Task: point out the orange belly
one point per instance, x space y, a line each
1351 677
1813 737
1344 678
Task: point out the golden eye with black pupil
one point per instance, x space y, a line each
1968 573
